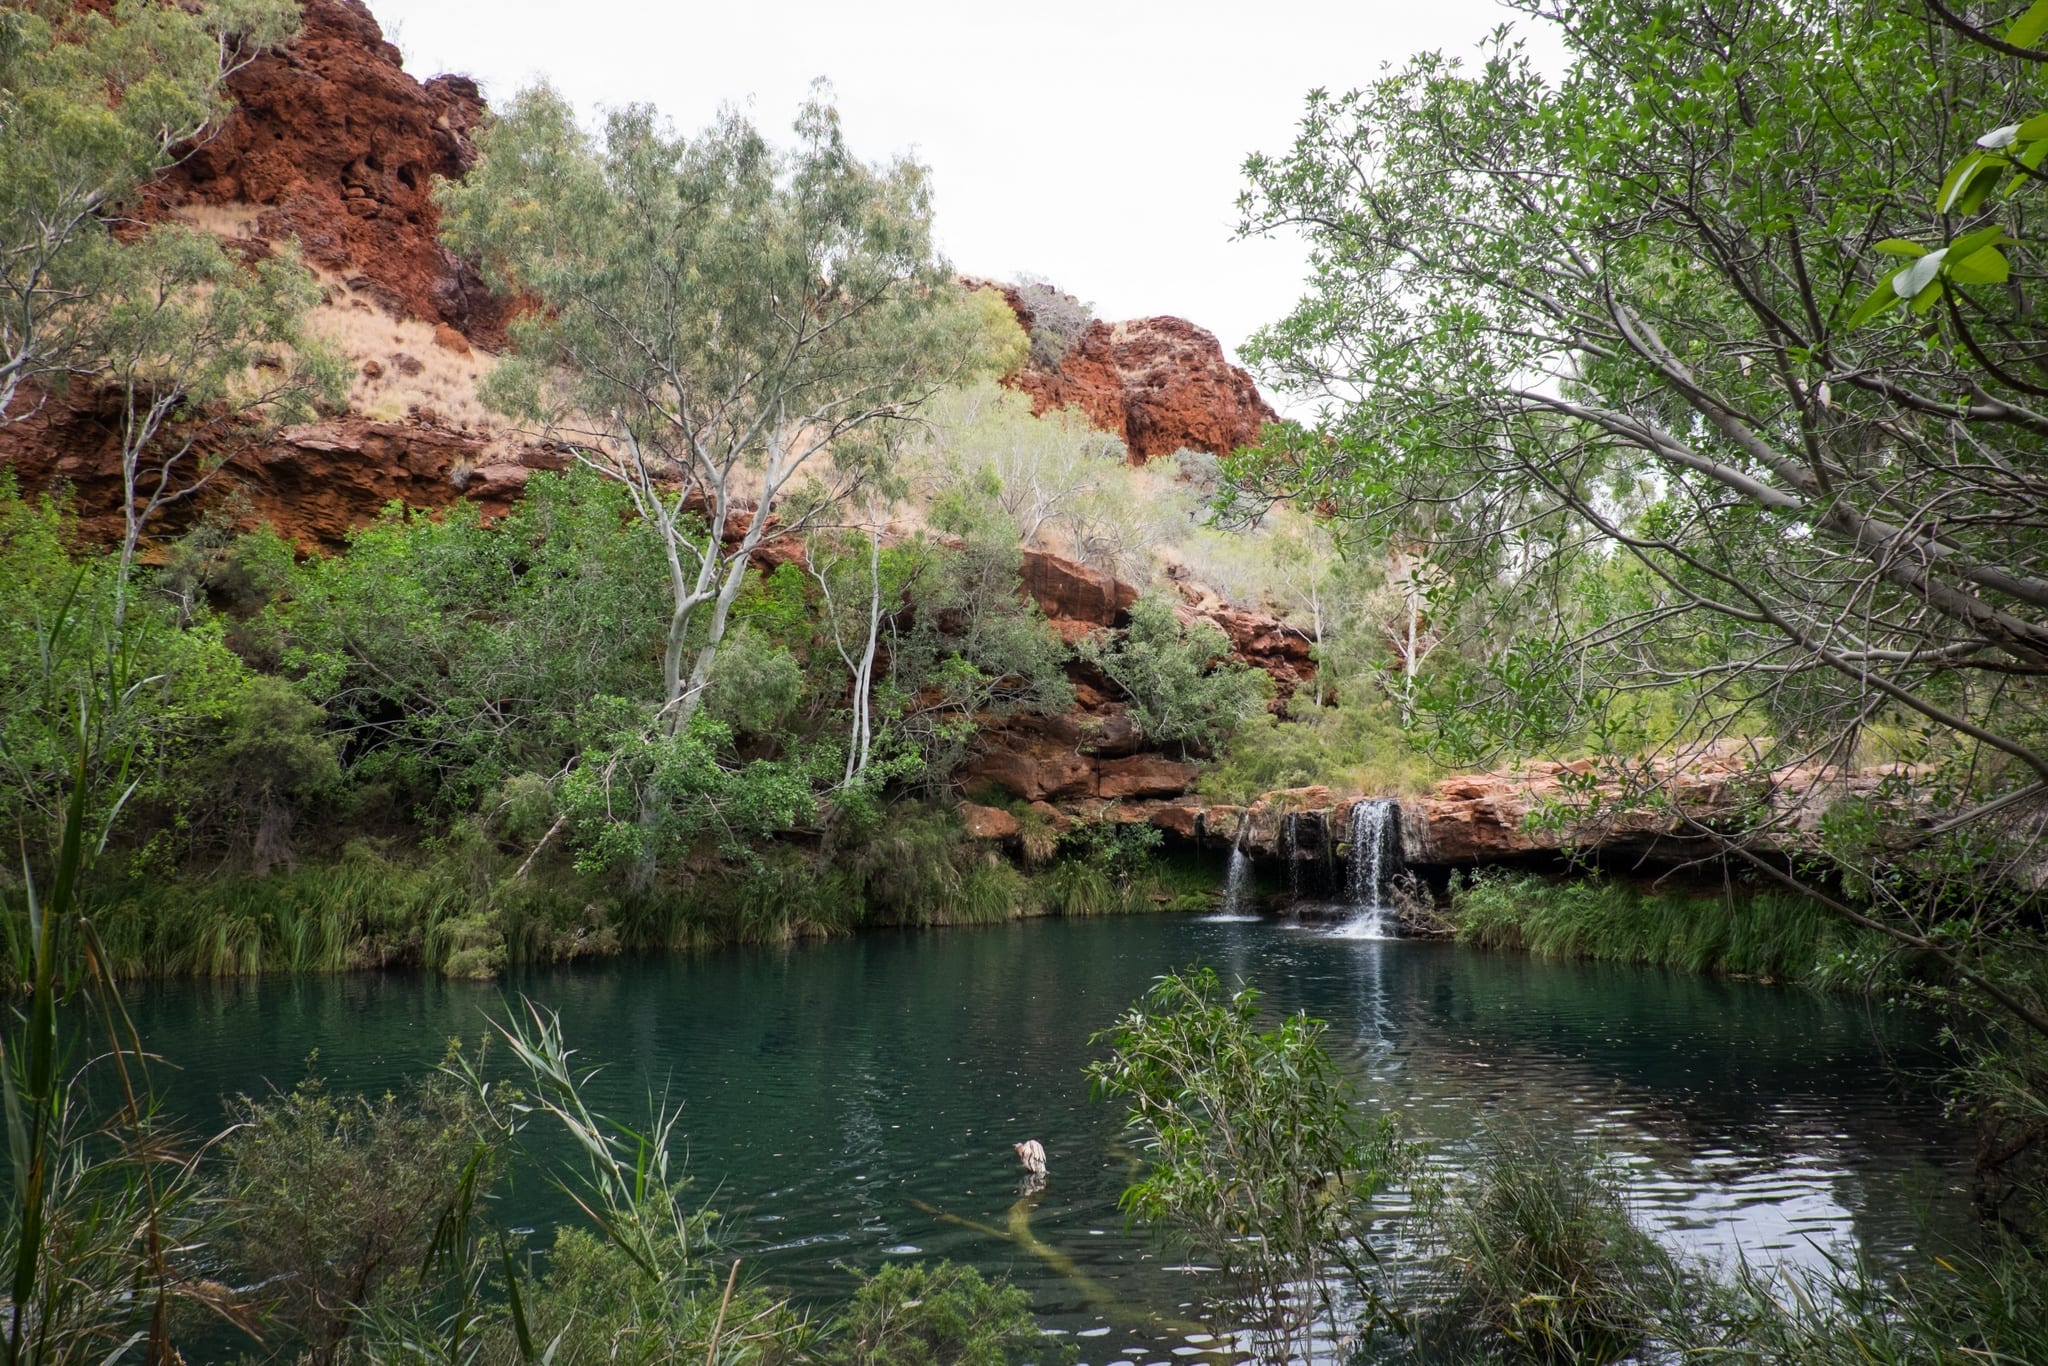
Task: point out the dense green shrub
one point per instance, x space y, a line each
1181 680
965 646
329 1203
57 637
1259 1156
453 656
935 1314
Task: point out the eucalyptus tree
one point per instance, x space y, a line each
95 101
1623 351
196 352
717 325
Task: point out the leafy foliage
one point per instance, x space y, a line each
936 1315
1589 349
95 102
1180 678
1258 1155
188 676
717 314
331 1203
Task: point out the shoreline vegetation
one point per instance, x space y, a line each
1746 932
1653 412
476 917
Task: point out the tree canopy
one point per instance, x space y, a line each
93 105
1593 347
719 324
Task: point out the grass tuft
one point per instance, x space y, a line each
1769 935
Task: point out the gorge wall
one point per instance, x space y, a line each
333 144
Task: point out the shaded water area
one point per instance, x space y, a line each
855 1101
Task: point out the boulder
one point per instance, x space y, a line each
1073 593
988 822
1143 775
1033 770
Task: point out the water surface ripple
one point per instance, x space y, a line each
855 1101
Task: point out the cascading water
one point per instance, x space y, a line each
1290 849
1236 883
1372 824
1375 858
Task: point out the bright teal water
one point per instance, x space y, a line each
836 1097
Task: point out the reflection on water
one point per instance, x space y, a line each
855 1101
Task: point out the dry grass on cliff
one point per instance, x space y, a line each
1070 491
401 369
404 369
229 221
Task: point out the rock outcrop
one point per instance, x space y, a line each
314 483
1092 762
333 143
1542 810
1075 599
1160 384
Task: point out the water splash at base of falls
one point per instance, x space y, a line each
1375 858
1236 888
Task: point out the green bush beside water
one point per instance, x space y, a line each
467 913
1765 934
1256 1158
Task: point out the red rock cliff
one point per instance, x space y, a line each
1162 384
335 144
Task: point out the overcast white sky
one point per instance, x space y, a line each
1096 143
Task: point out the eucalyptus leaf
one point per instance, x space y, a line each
2028 28
1914 279
1986 266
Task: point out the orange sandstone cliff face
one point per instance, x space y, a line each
1161 384
333 143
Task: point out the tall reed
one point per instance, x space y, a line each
1769 935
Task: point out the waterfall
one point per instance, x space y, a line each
1236 881
1290 849
1375 850
1375 858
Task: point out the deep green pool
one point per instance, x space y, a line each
835 1095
